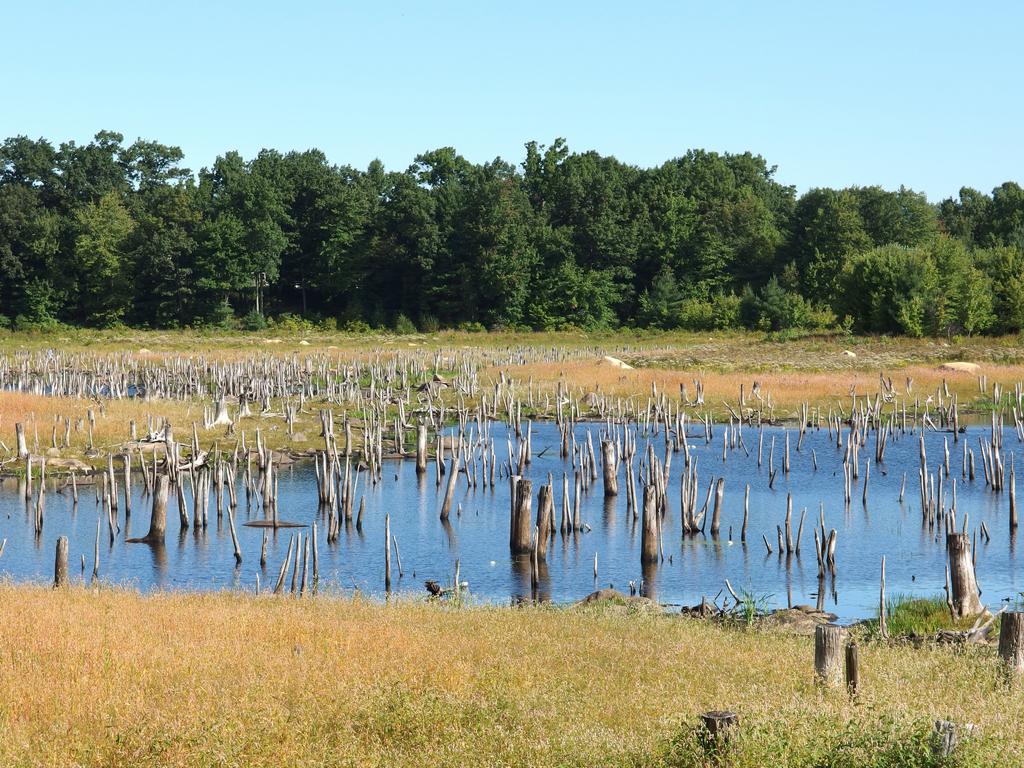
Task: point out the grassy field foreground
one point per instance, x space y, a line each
110 677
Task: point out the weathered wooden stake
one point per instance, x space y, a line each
963 583
60 566
828 653
852 669
1011 641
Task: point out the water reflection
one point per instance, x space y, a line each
693 566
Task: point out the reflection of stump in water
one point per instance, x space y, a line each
541 587
609 515
649 572
522 589
453 541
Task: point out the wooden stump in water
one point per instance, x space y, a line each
649 526
963 584
521 530
828 653
716 515
421 449
158 518
60 566
1011 641
545 512
611 479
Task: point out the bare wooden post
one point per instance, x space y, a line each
421 449
19 432
719 729
387 553
545 514
852 669
1011 641
453 476
828 653
1013 498
649 526
716 515
521 523
234 536
60 566
963 584
611 479
158 519
883 628
746 513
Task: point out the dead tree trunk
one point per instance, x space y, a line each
60 566
158 518
19 431
828 654
1011 641
611 478
649 526
521 525
421 449
963 584
545 514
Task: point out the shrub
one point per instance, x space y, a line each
356 326
292 323
404 326
253 321
720 312
429 323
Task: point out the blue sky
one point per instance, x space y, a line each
923 94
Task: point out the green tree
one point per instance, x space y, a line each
101 261
241 235
828 230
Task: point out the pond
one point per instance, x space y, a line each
478 535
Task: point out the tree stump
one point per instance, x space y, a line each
421 449
60 566
828 653
545 512
716 515
19 433
852 669
1011 641
719 729
611 479
948 735
158 518
649 526
963 584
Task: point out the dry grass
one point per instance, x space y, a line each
787 388
113 678
40 413
814 369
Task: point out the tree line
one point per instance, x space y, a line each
110 233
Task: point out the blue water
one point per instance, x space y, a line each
693 566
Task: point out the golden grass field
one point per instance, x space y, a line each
814 369
109 677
